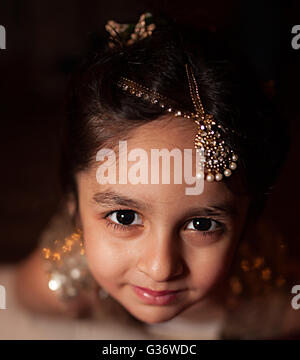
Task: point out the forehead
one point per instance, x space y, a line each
164 132
167 133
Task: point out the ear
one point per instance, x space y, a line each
72 206
71 203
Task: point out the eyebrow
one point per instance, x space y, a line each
222 209
112 198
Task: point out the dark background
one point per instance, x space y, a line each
44 38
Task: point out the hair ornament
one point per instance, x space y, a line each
217 159
130 33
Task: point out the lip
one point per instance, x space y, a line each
156 297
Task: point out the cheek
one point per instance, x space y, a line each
211 264
104 255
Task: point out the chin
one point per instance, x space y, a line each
156 315
154 319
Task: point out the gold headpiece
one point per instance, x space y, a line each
217 158
130 33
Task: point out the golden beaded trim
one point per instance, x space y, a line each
219 160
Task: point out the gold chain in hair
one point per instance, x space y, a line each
219 159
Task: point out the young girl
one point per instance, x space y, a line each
155 251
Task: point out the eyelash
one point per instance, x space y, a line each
220 226
117 227
114 225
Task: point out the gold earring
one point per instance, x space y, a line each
66 266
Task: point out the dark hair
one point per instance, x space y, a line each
98 111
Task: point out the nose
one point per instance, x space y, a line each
161 258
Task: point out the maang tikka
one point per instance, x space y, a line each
216 158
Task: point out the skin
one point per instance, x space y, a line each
161 250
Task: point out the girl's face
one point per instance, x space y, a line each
153 237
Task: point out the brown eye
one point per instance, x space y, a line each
202 224
125 217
